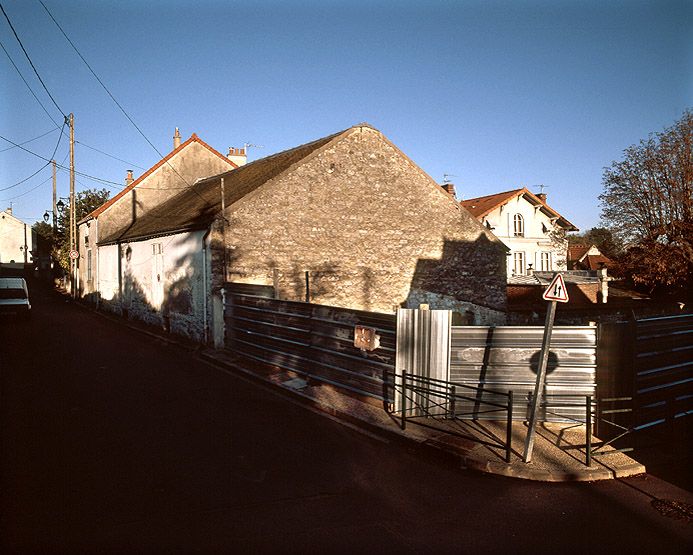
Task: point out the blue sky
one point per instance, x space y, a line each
499 94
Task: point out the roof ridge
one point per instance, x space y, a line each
493 195
194 138
269 157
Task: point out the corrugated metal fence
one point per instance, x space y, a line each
663 364
311 340
506 358
423 349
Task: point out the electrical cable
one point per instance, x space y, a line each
119 105
29 86
29 191
26 178
30 140
92 177
30 62
109 155
41 168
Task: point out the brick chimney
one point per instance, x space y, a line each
542 197
176 139
237 156
449 188
128 178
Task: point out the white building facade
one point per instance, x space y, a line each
17 240
534 233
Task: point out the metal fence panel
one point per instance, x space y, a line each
506 358
663 365
423 348
311 340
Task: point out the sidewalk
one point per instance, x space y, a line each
559 449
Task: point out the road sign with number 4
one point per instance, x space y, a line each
556 290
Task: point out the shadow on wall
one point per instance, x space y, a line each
168 294
467 271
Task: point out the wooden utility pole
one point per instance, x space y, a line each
73 227
55 197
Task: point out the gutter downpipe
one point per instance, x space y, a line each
205 275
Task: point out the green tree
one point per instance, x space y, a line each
85 202
45 238
647 204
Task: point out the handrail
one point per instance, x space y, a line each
413 385
596 415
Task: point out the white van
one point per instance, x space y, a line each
14 297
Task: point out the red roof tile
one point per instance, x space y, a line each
576 252
481 206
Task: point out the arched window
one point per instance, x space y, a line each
518 225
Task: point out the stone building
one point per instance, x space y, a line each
347 220
177 171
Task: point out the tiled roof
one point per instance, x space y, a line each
596 261
196 207
193 139
481 206
576 252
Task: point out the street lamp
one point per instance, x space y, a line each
60 205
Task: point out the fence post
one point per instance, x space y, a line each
404 400
452 407
509 428
588 429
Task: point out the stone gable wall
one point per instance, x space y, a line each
192 163
372 231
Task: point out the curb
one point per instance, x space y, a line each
462 460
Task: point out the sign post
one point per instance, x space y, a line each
555 292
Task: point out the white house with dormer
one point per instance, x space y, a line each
533 231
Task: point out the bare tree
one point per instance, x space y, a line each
647 203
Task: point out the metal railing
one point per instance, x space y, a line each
438 399
592 414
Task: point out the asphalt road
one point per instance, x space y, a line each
116 442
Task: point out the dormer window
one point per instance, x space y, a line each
518 225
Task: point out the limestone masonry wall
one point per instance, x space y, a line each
373 231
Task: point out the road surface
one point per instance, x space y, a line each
116 442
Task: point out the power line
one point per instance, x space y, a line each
42 167
118 104
28 86
30 140
62 167
29 191
109 155
30 62
25 179
92 177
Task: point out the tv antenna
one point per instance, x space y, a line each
542 187
447 176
